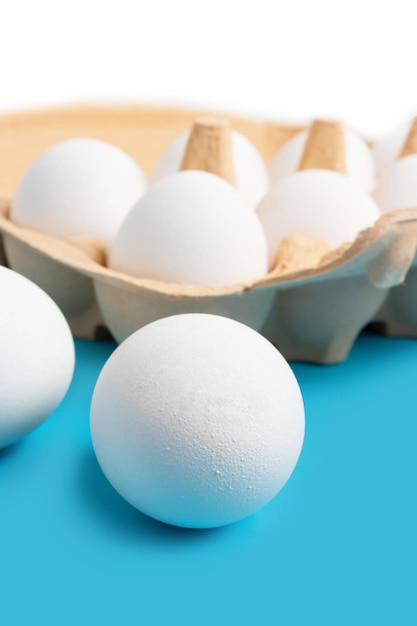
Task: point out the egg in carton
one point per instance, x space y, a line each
141 132
312 304
398 313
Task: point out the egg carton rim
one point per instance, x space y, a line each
391 228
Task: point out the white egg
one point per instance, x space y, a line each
388 149
197 420
36 356
192 227
78 187
252 179
359 160
317 202
396 187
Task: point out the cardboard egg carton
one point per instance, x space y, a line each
312 305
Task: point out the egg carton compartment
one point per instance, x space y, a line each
313 315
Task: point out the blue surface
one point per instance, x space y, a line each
336 546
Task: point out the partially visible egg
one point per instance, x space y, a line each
318 202
197 420
252 179
36 356
396 186
78 187
359 160
192 227
387 149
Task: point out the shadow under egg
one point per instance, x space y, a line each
119 516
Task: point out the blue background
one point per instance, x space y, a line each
336 546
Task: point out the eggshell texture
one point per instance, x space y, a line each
78 187
36 357
197 420
359 159
252 179
397 185
192 227
317 202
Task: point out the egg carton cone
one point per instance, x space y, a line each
143 133
209 148
312 305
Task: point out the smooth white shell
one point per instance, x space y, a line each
387 149
359 159
318 202
36 356
192 227
78 187
197 420
397 185
252 179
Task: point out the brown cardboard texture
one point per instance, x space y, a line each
312 313
325 147
209 148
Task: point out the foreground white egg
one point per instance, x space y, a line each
78 187
192 227
36 356
252 179
359 159
396 186
197 420
317 202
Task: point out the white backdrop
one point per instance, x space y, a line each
354 60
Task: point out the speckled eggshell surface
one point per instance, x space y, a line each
360 165
191 228
252 179
78 187
36 357
197 420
